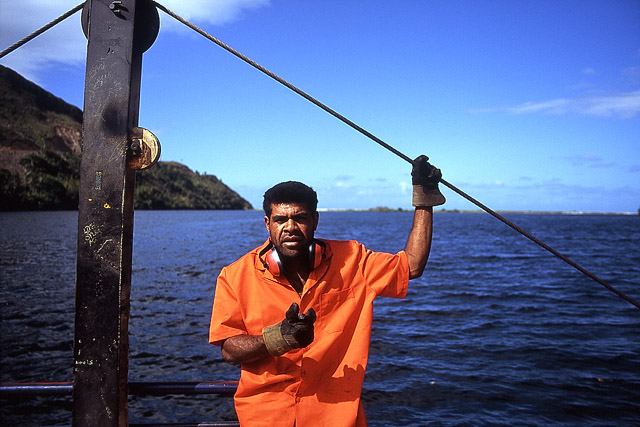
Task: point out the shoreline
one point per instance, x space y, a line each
479 211
453 211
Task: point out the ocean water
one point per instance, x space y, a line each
496 332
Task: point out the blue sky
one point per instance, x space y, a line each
527 105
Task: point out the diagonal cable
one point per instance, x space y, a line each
396 152
40 31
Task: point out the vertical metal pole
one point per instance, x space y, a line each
105 215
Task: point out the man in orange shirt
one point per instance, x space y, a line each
296 312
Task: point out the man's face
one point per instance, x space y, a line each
291 227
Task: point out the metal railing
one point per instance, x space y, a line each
10 390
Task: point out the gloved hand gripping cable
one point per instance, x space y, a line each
425 178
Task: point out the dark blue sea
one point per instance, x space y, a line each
496 332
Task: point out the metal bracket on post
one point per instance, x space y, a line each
144 149
118 32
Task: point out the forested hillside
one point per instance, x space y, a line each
40 149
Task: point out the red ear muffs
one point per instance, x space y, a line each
272 260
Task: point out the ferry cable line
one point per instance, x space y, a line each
393 150
352 125
41 30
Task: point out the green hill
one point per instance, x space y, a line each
40 146
171 185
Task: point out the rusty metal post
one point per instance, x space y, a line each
118 32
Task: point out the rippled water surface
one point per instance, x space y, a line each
496 332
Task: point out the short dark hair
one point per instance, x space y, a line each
290 192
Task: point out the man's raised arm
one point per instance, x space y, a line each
426 195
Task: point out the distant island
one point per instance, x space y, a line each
40 151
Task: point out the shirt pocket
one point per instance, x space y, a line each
336 308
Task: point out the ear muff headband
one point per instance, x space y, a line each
316 253
273 263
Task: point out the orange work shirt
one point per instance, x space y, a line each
318 385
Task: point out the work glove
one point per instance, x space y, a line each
425 178
295 331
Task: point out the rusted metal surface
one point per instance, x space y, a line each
105 212
144 149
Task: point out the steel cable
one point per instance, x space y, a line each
41 30
346 121
396 152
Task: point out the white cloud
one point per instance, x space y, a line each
632 74
624 105
65 43
205 11
589 160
